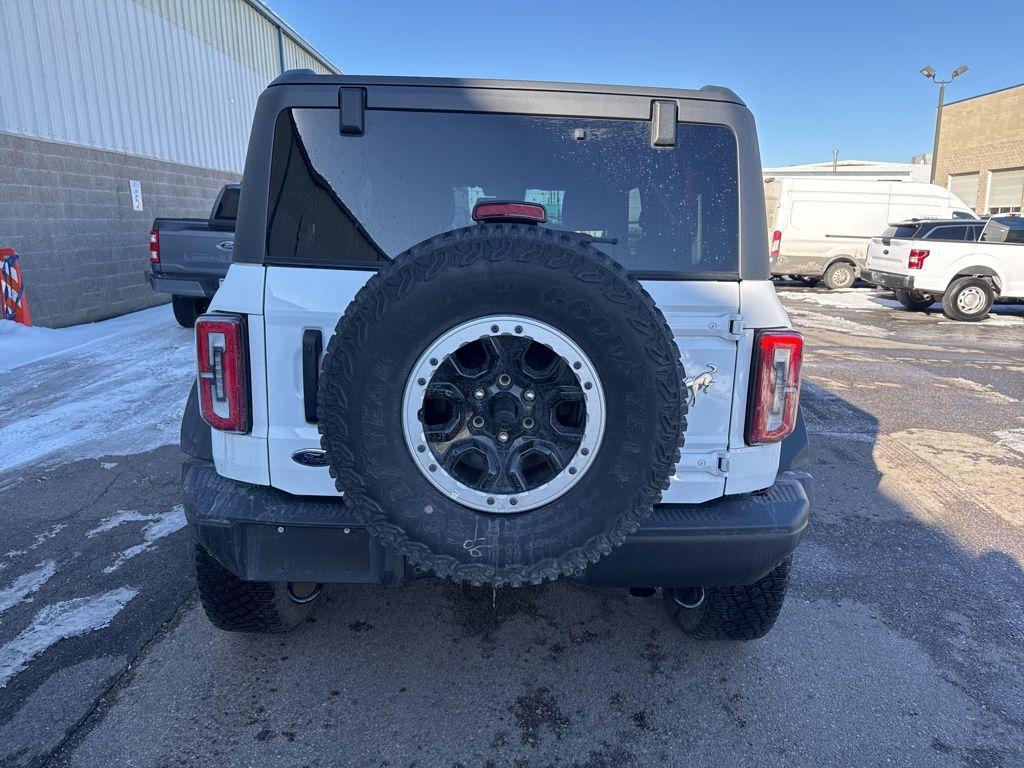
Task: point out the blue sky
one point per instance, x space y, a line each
817 75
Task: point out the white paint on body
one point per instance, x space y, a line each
57 622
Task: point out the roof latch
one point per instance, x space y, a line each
352 107
664 115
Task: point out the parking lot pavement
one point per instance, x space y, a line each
901 642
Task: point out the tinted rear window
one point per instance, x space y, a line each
901 232
363 199
228 208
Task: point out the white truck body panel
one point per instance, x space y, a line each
822 220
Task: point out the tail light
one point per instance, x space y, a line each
154 247
223 372
776 386
776 243
916 258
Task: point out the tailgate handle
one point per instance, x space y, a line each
312 347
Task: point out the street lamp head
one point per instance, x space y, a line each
928 72
959 71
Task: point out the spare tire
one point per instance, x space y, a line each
502 404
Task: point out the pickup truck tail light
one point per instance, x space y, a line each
916 258
776 244
154 247
775 393
222 358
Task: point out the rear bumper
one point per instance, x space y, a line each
262 534
184 285
889 279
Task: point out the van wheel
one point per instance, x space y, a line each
187 309
968 299
730 613
840 274
914 300
235 605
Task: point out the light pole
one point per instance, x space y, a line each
930 74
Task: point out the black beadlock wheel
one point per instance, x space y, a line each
502 404
745 612
235 605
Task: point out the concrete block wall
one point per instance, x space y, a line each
981 135
67 210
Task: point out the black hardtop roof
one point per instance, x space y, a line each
932 222
308 77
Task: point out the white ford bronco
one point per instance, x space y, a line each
501 333
963 264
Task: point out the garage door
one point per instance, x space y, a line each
965 186
1006 191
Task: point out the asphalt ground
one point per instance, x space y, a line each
900 642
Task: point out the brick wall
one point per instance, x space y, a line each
68 211
980 135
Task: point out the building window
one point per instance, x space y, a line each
1005 191
964 186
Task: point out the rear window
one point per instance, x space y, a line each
901 232
228 207
360 200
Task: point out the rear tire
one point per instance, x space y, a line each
730 613
840 274
187 309
968 299
235 605
916 301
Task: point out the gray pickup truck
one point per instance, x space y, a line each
189 257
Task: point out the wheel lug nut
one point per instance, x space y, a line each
529 395
502 437
479 394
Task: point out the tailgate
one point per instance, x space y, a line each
703 316
195 251
889 255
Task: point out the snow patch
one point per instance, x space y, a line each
121 517
86 399
108 464
163 525
57 622
26 585
844 298
836 324
1012 439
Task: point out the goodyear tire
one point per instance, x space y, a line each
537 439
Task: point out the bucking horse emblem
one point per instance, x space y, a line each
702 382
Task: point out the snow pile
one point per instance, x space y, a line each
112 388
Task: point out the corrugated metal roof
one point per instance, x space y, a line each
174 80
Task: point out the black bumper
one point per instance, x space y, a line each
262 534
888 279
184 285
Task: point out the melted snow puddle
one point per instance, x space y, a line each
26 585
160 525
57 622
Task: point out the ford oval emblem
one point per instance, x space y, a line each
310 458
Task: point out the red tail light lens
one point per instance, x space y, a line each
776 244
154 247
499 210
223 372
916 259
776 386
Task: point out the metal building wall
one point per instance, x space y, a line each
173 80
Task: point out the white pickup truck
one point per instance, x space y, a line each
965 265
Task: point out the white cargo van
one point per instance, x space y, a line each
822 227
